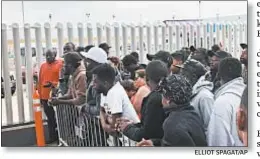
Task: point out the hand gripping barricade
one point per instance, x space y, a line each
77 128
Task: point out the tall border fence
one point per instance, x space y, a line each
124 38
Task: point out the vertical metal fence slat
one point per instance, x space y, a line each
7 90
29 77
99 33
125 42
133 38
156 43
47 30
70 32
141 43
90 34
59 28
18 71
117 39
81 34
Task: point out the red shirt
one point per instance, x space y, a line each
48 73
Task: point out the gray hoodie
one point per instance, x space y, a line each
222 129
203 100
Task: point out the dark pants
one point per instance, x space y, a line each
49 111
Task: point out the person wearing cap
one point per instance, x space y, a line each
222 129
163 56
130 65
76 94
244 60
152 113
200 54
178 60
105 47
216 58
202 97
94 58
182 126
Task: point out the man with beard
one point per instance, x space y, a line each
216 58
243 60
163 56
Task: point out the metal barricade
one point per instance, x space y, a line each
77 128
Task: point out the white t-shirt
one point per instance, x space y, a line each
117 101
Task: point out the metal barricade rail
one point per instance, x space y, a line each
77 128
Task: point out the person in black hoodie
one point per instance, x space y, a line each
152 113
182 126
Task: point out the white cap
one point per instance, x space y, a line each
96 54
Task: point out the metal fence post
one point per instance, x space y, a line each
191 36
240 35
230 38
99 33
29 77
59 28
184 35
124 34
177 37
19 84
141 42
149 38
90 34
133 38
156 43
198 36
223 35
7 90
163 37
47 29
217 34
108 34
81 34
204 35
210 36
236 47
117 39
170 38
70 32
39 49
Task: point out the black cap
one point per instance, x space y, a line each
243 46
104 46
221 54
161 55
194 67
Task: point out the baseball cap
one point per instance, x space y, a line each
96 54
104 46
221 54
243 46
161 55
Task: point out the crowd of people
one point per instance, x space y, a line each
191 97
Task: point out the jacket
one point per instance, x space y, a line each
203 100
48 73
182 128
222 129
93 101
78 85
152 117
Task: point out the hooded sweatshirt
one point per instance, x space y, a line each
222 129
203 100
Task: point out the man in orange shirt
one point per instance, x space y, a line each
49 74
